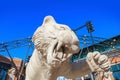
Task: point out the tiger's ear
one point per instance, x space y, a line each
49 20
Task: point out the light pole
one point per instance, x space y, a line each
90 29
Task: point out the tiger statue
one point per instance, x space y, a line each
54 46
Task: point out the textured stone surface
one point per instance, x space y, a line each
54 45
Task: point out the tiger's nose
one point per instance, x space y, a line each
75 49
75 40
75 46
75 43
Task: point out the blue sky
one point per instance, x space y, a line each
20 18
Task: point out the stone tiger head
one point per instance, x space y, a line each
50 32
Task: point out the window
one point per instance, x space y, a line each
116 71
3 74
3 70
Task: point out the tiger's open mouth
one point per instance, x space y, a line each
65 52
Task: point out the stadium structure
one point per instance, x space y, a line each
14 68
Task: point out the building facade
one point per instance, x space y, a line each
8 69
